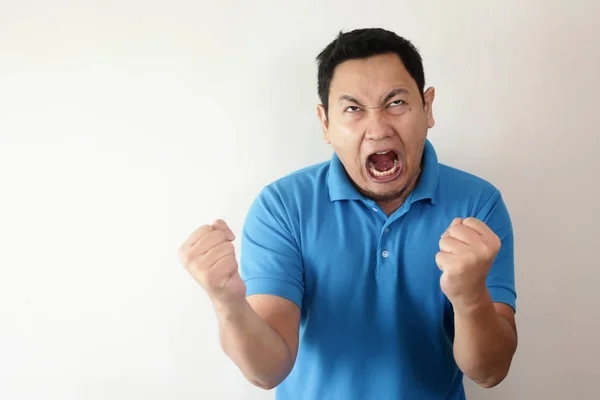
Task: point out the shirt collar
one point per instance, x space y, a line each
341 188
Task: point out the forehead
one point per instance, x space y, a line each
371 77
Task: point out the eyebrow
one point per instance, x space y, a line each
389 96
347 97
394 93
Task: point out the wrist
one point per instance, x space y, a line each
231 311
473 302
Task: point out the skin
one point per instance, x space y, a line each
485 332
259 333
374 105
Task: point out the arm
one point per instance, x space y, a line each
259 333
485 340
477 257
260 336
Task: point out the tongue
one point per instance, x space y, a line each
383 162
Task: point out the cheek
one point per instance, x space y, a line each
347 137
350 128
412 133
410 124
347 145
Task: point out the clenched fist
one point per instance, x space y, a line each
467 250
209 256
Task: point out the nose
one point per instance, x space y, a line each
378 127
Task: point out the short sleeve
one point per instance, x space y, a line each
270 259
501 278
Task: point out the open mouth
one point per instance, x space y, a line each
384 166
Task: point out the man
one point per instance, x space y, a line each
380 274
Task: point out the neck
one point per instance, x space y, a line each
390 207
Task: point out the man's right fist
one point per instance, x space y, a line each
209 256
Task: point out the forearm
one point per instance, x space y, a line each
484 342
257 349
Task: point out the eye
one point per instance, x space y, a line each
396 103
352 109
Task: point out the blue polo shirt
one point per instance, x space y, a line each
374 321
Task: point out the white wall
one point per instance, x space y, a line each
125 126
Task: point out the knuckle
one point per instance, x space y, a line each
228 248
195 264
227 261
444 244
220 236
471 221
203 231
181 254
195 268
491 248
487 249
439 258
219 224
496 243
185 257
216 254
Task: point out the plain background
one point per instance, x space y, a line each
124 125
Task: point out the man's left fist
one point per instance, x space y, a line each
467 250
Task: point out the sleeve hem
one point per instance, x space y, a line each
275 287
501 294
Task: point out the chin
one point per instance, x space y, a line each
381 195
392 190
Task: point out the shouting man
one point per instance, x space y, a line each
379 274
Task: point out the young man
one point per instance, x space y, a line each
380 274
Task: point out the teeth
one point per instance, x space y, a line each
389 172
382 152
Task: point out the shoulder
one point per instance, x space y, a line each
311 176
287 194
298 184
465 180
470 192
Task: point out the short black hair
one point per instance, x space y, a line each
364 43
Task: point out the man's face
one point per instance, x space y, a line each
377 124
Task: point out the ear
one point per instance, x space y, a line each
429 95
324 122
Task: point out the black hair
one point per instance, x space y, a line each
364 43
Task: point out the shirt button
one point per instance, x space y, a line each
387 230
385 254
